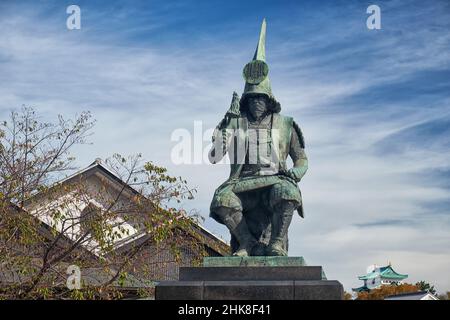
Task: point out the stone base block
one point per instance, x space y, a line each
251 278
250 290
250 273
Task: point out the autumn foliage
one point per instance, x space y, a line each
84 225
387 290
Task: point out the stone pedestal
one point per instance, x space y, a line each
251 278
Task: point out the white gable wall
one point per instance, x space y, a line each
100 192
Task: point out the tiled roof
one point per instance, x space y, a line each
385 273
361 289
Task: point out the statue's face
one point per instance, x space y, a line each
257 105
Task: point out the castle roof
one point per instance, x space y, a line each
361 289
384 273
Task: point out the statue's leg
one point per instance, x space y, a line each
235 222
283 200
281 219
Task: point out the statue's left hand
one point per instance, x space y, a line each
295 173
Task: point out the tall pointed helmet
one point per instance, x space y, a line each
256 72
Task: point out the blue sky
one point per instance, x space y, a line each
374 106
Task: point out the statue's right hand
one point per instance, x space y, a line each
234 110
223 124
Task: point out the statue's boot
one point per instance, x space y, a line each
281 219
235 222
246 244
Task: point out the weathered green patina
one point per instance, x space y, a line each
257 201
262 261
254 262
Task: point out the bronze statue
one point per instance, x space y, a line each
257 201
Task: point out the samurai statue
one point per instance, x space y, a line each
259 198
